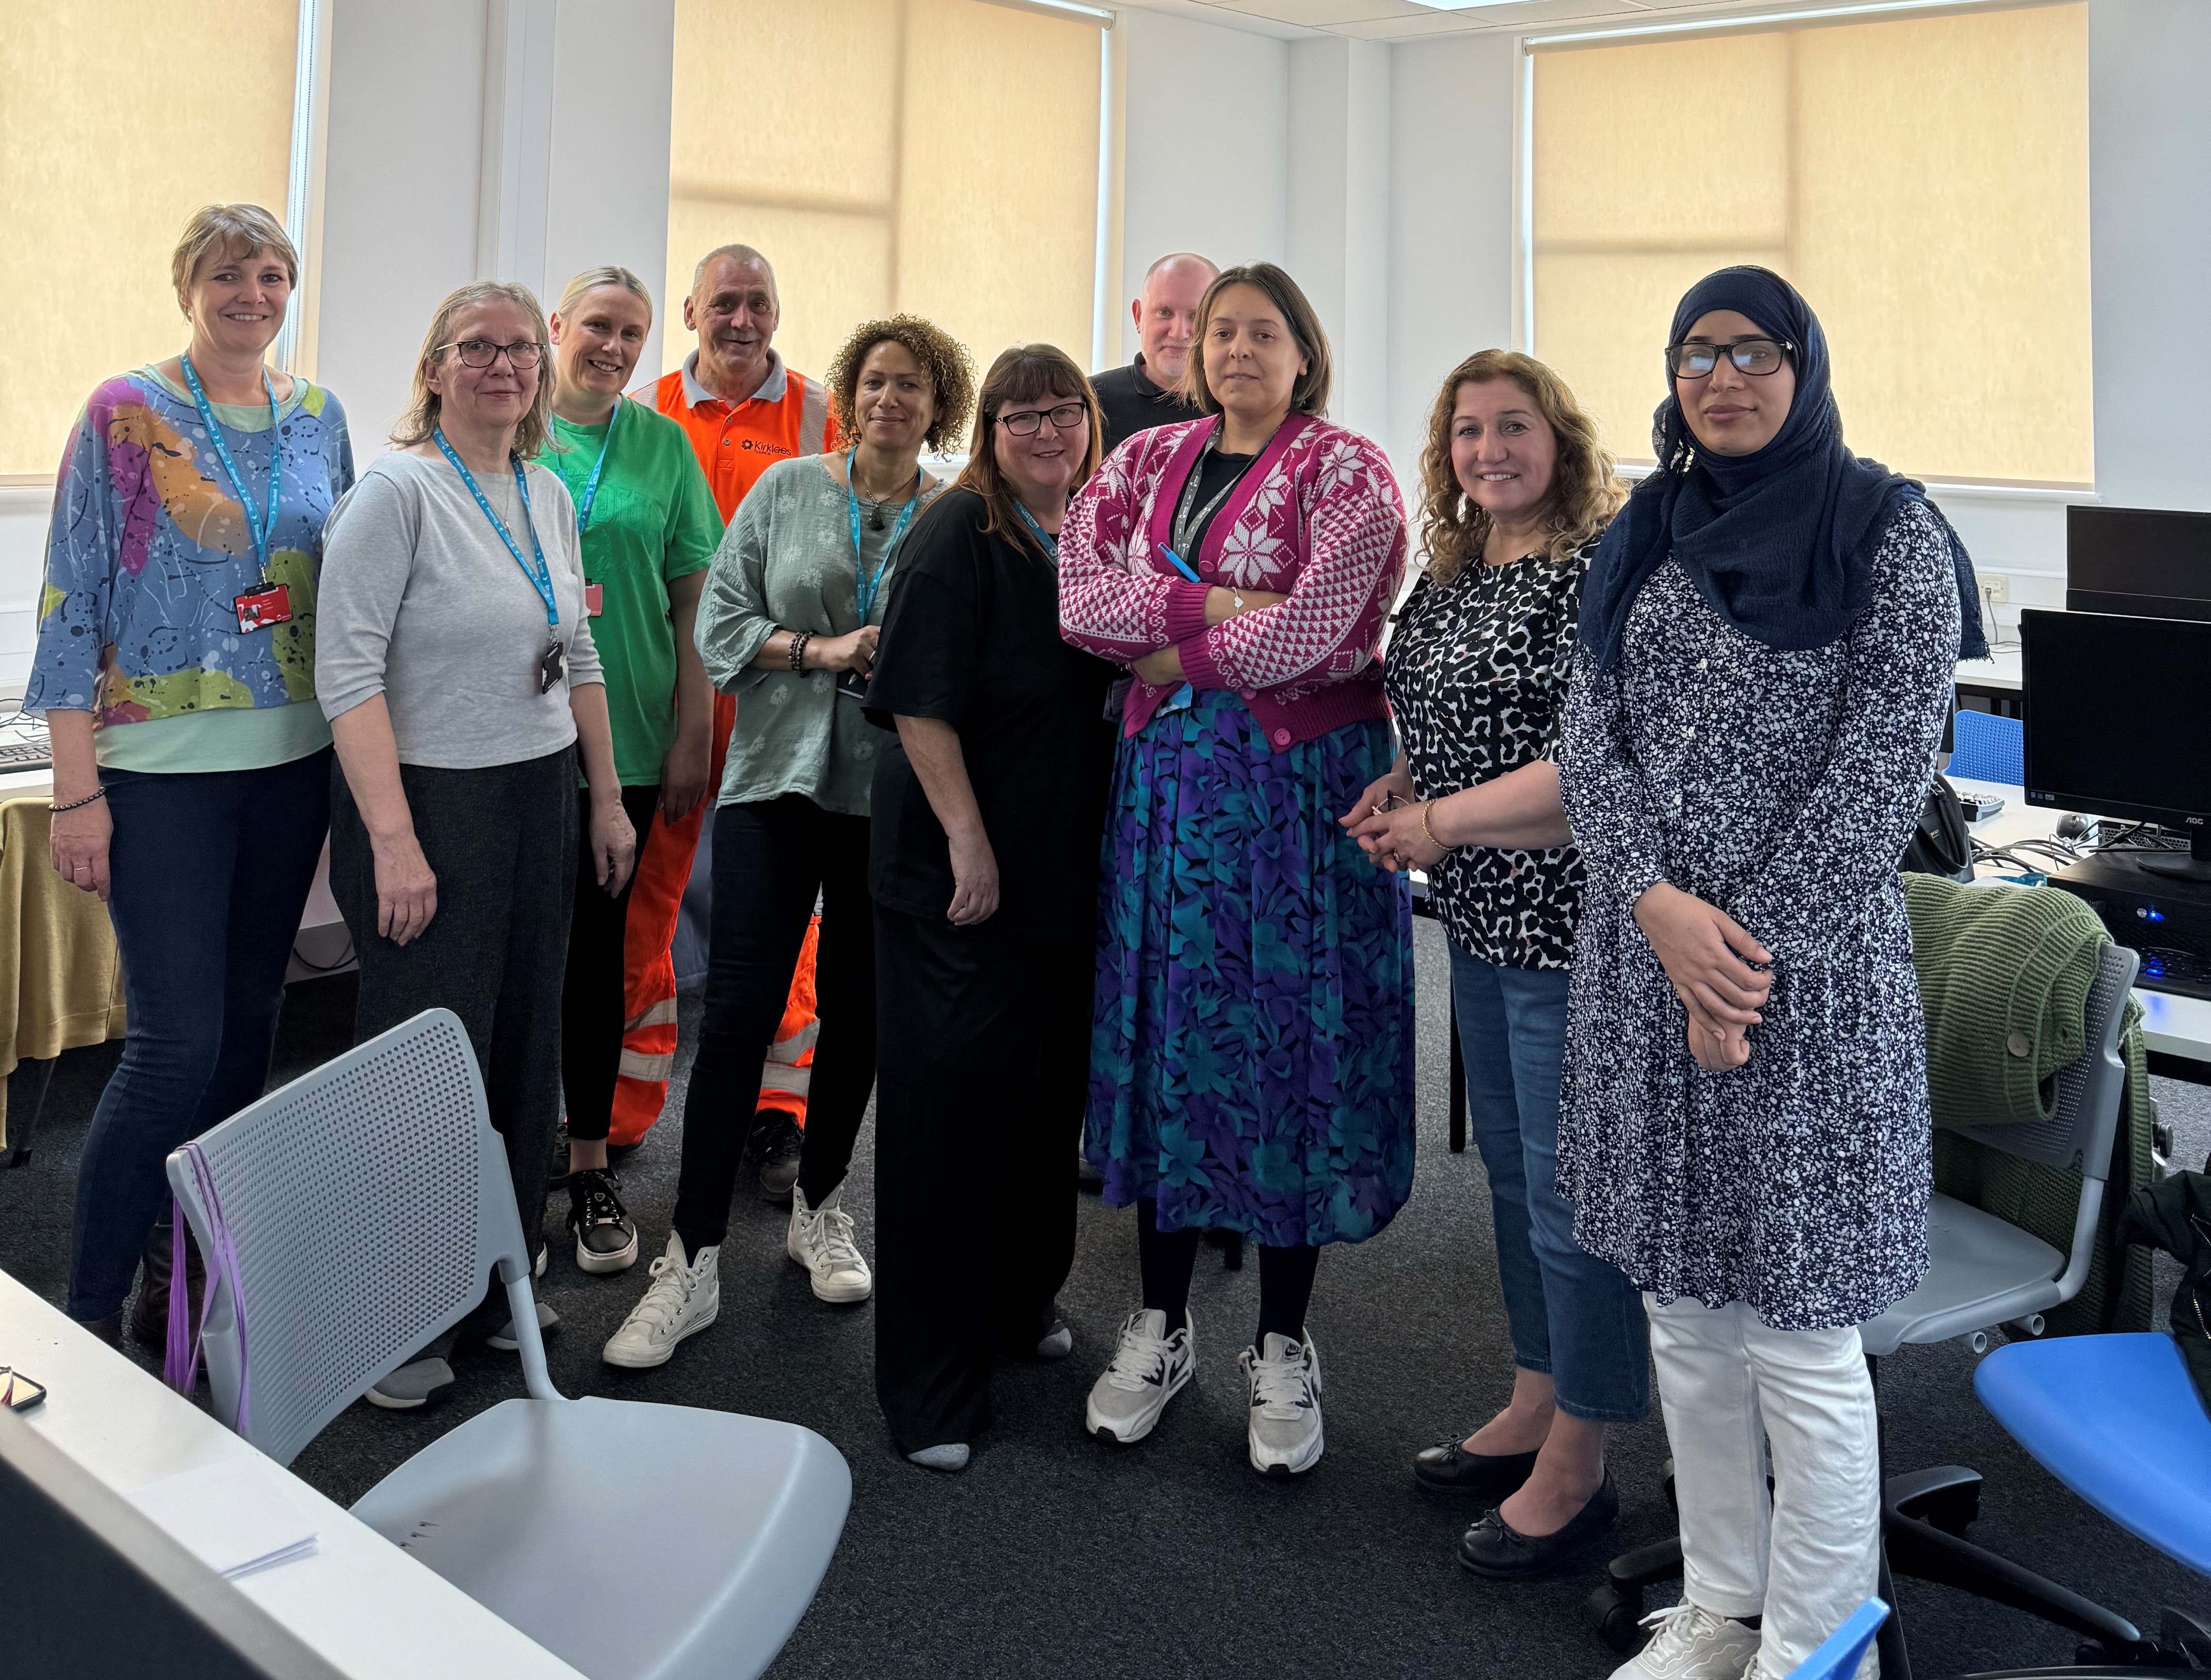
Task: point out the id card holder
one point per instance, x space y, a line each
852 683
594 599
550 668
1178 701
258 609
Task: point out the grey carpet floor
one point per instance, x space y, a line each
1054 1555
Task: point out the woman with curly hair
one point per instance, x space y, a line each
1250 1064
793 606
1516 491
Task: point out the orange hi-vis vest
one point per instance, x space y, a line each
735 443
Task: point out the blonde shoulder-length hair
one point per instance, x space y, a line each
420 418
1585 493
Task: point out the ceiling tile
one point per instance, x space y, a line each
1330 14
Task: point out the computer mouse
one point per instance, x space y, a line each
2073 826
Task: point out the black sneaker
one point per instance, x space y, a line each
556 1168
776 1145
606 1236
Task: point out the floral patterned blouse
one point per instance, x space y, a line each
1476 675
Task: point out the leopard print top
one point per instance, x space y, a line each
1476 675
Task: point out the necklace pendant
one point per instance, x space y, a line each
875 519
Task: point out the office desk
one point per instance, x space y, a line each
1998 681
363 1605
2172 1025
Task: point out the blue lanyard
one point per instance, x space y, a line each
864 587
541 575
1044 538
261 530
592 484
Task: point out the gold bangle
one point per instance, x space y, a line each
1425 833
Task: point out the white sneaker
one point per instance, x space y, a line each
1284 1432
685 1297
1148 1369
821 1240
1689 1642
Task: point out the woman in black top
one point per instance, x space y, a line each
988 812
1518 489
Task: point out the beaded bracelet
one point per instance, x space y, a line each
799 639
79 804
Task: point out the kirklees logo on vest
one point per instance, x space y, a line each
763 446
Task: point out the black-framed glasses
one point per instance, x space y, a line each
1064 418
482 353
1758 357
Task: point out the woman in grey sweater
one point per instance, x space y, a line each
793 606
455 667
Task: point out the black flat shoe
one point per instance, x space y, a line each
1493 1548
1448 1467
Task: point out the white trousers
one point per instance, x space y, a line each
1809 1558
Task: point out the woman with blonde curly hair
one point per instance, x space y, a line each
1518 490
793 606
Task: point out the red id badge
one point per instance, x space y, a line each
259 608
594 599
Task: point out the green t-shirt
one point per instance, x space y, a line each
652 522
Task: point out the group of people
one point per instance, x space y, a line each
1108 798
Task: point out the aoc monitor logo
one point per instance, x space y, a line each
762 447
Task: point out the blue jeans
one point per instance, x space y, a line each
1572 1315
208 875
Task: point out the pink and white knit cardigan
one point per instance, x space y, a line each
1318 518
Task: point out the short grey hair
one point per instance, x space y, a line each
744 254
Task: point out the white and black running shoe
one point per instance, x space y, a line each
1284 1433
1149 1369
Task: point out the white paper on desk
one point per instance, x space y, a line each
229 1515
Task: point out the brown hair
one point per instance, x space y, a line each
1584 492
420 418
942 358
231 231
1023 374
1309 395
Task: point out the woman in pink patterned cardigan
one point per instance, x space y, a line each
1251 1057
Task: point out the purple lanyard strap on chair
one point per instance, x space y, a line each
181 1368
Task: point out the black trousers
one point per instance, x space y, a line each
593 1013
986 1054
502 844
771 858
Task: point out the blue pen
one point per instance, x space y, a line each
1181 697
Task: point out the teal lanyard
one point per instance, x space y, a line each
592 484
541 574
260 530
1044 538
864 587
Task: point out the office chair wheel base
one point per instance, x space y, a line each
1615 1616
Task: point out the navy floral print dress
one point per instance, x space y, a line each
1251 1061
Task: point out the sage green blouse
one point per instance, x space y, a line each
786 563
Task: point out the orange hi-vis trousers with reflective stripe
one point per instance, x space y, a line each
648 1051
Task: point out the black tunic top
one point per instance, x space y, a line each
1133 403
971 637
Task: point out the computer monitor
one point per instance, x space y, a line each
2115 712
92 1588
2138 560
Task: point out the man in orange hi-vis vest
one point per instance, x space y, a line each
743 410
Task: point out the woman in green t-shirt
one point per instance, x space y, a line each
649 526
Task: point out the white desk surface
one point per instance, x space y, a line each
2001 669
363 1605
2175 1026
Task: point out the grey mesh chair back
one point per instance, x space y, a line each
1984 1271
306 1180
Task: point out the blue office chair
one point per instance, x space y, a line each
1985 747
1842 1651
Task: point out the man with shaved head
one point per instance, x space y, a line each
1147 392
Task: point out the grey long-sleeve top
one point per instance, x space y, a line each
787 564
422 602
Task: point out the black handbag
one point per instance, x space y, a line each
1942 844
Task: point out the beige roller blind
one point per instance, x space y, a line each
118 119
939 156
1924 182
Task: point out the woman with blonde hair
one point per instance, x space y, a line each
1516 491
175 666
648 526
457 667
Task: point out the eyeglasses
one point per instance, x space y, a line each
1064 418
1757 357
482 353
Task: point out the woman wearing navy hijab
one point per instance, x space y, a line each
1767 639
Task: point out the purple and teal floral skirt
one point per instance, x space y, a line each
1251 1045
